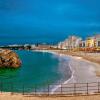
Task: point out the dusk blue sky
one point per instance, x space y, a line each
49 19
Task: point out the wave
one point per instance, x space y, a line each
65 82
54 89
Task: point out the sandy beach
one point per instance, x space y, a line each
83 70
94 58
7 96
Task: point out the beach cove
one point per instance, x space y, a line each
83 70
69 69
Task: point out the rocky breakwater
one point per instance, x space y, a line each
9 59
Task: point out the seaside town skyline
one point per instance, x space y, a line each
72 42
76 41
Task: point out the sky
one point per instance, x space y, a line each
49 19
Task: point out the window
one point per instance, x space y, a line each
98 43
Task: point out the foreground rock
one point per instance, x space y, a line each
9 59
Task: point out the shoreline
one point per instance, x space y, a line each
74 70
85 72
62 82
91 57
65 82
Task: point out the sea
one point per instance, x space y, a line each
31 40
38 70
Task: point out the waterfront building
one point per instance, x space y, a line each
90 42
66 44
74 42
62 45
82 44
59 45
97 40
71 41
77 42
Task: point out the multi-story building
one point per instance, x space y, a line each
74 42
82 44
70 43
97 40
90 42
66 44
63 45
59 45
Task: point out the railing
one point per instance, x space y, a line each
68 89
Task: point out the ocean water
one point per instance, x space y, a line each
38 69
25 40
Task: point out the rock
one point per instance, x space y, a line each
9 59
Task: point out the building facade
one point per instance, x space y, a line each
97 40
90 42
